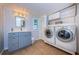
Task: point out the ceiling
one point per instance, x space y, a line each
44 8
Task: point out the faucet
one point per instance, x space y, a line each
21 28
11 29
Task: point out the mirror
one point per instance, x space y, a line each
20 21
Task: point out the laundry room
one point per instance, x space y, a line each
39 28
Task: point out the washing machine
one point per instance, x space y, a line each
66 37
49 35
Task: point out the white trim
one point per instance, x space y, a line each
1 52
5 48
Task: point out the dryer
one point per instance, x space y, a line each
66 37
49 35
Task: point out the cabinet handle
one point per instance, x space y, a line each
14 38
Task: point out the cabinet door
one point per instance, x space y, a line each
12 41
69 12
54 16
28 38
22 37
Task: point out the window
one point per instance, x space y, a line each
35 24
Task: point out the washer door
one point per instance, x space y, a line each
64 35
48 33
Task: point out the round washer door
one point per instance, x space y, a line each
64 35
48 33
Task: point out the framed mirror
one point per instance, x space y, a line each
20 21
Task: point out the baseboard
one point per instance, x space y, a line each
2 52
77 53
5 49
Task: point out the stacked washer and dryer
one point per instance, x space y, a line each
62 36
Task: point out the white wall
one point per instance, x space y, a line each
35 33
44 21
9 22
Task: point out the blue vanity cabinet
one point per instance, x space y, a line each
17 40
24 39
13 41
28 38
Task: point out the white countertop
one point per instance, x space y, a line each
20 31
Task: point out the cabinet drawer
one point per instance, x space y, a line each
12 34
28 34
13 37
22 34
13 41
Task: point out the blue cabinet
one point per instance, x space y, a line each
13 41
28 37
22 37
18 40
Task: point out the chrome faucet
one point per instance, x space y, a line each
11 29
21 28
